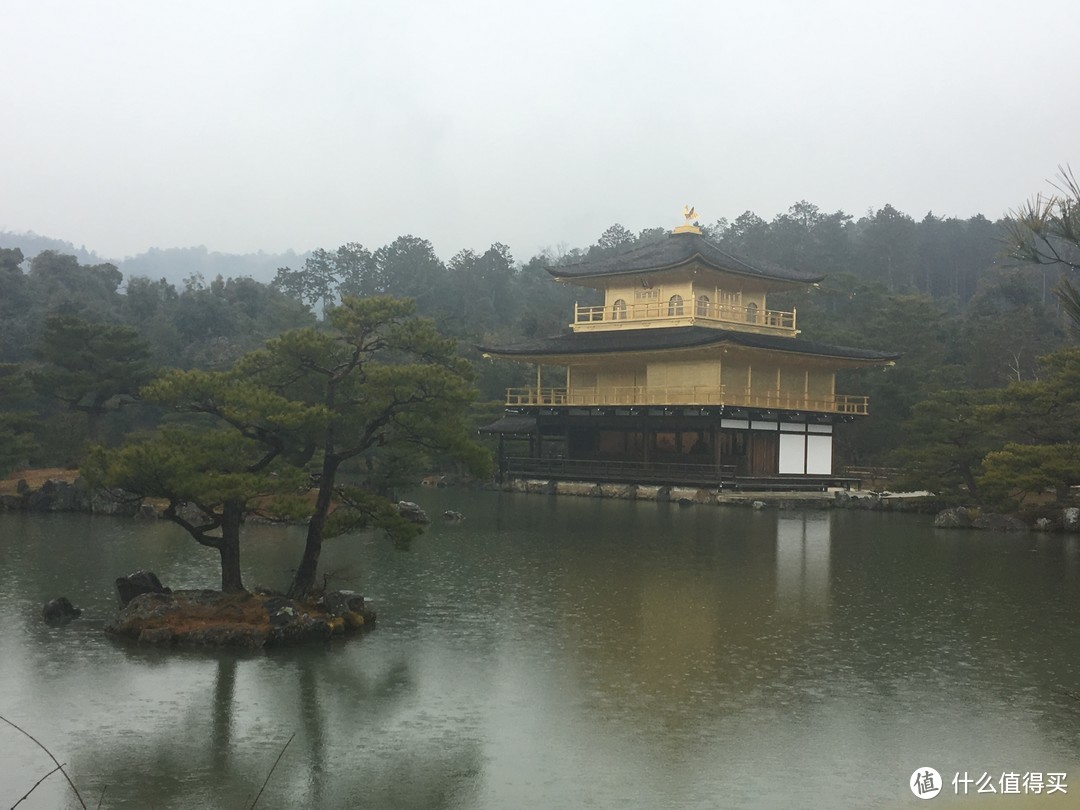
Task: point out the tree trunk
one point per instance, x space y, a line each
229 549
304 579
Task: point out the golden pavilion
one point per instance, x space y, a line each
683 375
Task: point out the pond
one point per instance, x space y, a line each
559 652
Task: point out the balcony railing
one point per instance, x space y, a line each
685 395
687 312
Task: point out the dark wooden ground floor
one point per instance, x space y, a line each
705 446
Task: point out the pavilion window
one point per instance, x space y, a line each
751 312
675 306
703 306
618 310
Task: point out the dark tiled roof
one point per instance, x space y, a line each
676 250
679 337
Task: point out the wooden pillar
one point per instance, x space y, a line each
646 439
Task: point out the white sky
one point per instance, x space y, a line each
272 125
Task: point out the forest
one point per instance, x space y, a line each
980 310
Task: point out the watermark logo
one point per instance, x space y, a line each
925 783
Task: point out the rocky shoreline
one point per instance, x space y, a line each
1060 519
59 495
62 495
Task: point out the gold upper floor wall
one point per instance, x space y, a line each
687 297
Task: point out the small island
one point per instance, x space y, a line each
215 619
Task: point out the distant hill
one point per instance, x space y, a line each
172 264
31 244
177 264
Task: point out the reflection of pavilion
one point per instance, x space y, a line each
720 603
802 562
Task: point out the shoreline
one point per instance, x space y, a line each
65 491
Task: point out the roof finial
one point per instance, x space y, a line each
690 215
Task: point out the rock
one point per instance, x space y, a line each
356 602
620 491
281 610
156 635
579 488
412 512
685 502
1070 519
648 493
680 494
60 611
22 487
336 603
999 523
759 505
54 495
956 517
127 588
1044 525
191 513
113 502
452 517
12 503
225 637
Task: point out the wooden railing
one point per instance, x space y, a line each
685 395
691 311
635 472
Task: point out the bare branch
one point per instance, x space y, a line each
55 761
38 782
272 767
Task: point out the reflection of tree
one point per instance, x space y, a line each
221 735
314 734
217 751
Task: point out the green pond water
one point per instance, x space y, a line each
560 652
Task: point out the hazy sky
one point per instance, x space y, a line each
271 125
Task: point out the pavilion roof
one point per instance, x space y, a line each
678 337
674 251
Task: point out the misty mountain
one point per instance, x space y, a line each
177 264
172 264
31 244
